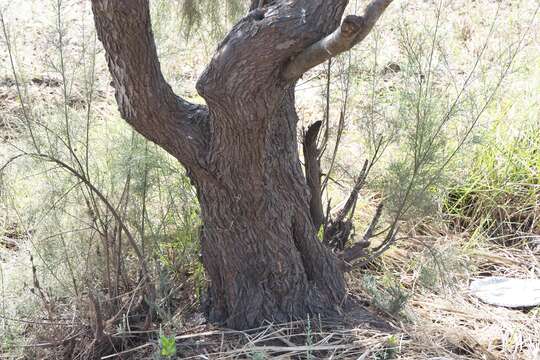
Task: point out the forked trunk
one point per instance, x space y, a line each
259 242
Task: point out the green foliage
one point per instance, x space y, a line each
500 194
167 345
98 204
390 351
386 292
258 356
320 233
420 113
437 269
191 16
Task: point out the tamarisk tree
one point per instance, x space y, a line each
261 217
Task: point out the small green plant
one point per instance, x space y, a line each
387 294
440 268
320 233
167 346
390 351
258 356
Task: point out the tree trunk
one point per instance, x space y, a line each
259 243
259 246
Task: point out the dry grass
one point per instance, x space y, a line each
274 341
443 322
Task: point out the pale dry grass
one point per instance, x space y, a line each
443 322
448 322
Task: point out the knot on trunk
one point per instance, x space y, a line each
351 25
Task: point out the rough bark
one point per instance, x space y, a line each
313 173
352 31
145 99
259 243
264 258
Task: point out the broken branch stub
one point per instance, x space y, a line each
313 173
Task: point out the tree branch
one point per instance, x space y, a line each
353 30
358 249
255 4
145 99
353 197
313 173
337 233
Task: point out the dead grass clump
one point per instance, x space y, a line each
312 339
448 322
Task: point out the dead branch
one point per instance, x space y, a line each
353 197
313 173
338 232
358 249
257 4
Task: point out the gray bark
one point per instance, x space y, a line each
259 243
352 31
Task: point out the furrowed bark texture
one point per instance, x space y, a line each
274 267
144 98
353 30
259 243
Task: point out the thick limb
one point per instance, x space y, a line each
352 31
145 99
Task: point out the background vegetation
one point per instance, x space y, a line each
98 227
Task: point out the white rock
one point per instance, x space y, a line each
507 292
